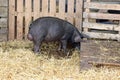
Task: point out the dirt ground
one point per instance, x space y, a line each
99 51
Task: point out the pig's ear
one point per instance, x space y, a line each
77 39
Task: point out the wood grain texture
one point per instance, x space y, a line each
19 20
11 26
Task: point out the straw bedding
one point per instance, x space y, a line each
18 62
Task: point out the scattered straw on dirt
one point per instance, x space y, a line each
18 62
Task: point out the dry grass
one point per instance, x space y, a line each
18 62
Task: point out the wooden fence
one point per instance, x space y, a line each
22 12
93 11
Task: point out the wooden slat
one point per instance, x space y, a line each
52 8
101 16
102 35
70 11
86 19
36 8
11 20
3 11
79 12
28 16
100 26
93 5
44 8
3 22
20 19
62 9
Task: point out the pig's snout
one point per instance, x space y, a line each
29 36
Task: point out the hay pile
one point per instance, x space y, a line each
18 62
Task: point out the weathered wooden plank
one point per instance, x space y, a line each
52 11
3 2
11 20
86 19
28 16
79 14
101 26
62 9
3 11
3 22
36 8
70 11
101 16
19 20
44 8
94 5
101 35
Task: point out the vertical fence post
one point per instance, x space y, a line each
70 13
87 10
62 9
36 8
28 15
87 20
79 14
20 19
11 20
52 11
44 7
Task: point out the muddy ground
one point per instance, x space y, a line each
99 51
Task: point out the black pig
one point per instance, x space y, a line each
53 29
